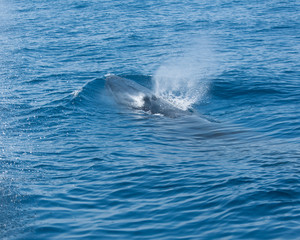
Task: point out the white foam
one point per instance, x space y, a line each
138 100
76 92
108 75
185 79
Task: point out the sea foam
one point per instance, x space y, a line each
184 78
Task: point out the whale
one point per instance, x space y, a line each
129 93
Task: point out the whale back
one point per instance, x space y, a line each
130 93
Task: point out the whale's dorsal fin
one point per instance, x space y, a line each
153 97
148 102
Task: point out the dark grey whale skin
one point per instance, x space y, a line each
126 91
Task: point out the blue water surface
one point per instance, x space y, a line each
74 164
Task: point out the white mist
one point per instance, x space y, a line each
184 79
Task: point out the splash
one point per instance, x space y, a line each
184 79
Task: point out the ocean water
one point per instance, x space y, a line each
74 164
